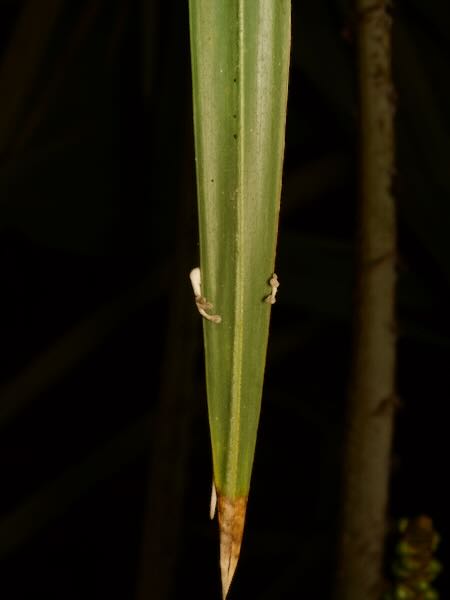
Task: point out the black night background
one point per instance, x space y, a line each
105 465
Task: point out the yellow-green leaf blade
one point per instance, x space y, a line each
240 59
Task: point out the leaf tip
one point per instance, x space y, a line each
231 524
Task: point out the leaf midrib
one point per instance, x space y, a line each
238 324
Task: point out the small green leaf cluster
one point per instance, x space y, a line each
414 567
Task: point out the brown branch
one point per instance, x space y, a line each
372 386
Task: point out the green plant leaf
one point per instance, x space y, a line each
240 63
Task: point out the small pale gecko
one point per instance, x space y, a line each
202 303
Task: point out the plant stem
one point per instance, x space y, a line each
372 385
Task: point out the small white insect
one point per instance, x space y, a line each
202 303
213 504
274 284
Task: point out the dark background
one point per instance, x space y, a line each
104 447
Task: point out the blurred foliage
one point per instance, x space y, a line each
414 567
95 143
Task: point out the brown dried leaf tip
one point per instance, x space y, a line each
231 524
